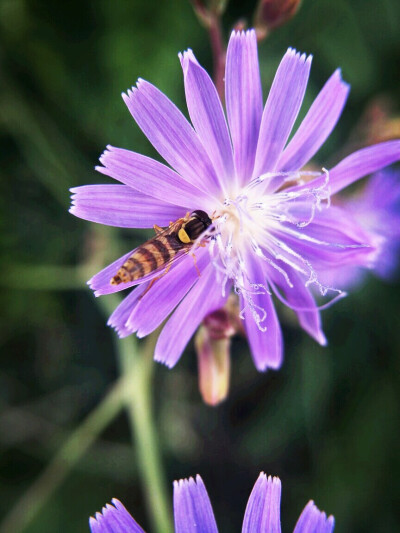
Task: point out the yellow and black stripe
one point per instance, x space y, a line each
149 257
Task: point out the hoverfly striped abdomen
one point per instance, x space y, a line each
162 249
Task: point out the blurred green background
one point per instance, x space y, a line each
327 423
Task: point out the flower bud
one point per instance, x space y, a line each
271 14
206 11
218 6
212 343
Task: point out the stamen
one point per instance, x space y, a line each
288 176
259 219
261 254
339 296
254 309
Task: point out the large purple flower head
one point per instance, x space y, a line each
273 229
193 512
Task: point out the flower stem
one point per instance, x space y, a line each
75 447
137 369
210 18
139 405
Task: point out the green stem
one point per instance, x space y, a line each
138 371
37 495
133 390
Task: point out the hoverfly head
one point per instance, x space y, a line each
198 222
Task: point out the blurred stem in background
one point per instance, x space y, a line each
78 443
133 391
209 15
137 370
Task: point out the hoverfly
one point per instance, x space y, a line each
164 247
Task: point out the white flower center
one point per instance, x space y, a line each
258 224
252 220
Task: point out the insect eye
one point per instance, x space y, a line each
194 228
202 216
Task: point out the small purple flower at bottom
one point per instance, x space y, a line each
193 512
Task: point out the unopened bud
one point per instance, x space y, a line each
219 324
271 14
206 11
212 343
202 12
218 6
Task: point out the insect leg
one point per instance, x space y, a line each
180 220
155 279
195 264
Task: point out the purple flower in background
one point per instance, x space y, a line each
377 209
273 229
193 512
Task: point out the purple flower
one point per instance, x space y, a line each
193 512
273 230
377 210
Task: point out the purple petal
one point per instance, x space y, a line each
363 162
281 110
299 297
317 124
114 519
192 507
377 209
357 165
312 520
207 116
263 508
151 178
121 314
335 225
332 224
243 100
166 294
333 237
121 206
266 344
171 135
381 191
202 299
